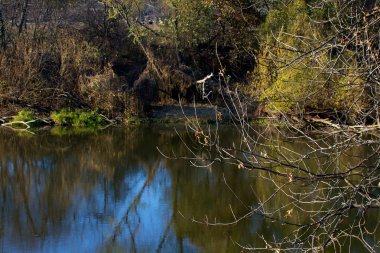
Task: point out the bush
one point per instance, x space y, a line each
28 117
24 116
78 118
294 77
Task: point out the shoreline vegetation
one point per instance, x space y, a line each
27 120
79 118
114 61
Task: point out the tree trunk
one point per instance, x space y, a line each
2 31
23 20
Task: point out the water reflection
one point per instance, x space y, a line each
103 191
112 191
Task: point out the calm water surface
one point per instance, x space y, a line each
112 191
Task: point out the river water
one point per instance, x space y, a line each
112 191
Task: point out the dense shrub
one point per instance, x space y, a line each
296 74
78 118
24 116
28 117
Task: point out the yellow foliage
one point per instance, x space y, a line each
291 77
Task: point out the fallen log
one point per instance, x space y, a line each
328 122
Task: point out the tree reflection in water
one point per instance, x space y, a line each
111 190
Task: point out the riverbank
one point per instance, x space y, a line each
85 120
166 114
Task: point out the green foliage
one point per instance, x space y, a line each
288 87
292 19
291 80
25 116
78 118
28 117
190 23
350 96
